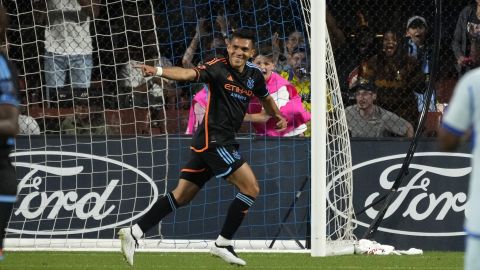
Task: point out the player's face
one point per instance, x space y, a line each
365 99
266 65
239 51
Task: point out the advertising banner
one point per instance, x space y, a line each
90 189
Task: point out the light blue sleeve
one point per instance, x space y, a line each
460 111
8 92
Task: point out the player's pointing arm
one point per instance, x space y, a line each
172 73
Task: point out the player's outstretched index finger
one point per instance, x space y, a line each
147 70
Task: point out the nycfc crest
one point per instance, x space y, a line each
250 83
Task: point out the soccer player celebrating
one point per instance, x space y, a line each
8 129
463 113
232 82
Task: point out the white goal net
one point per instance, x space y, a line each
108 142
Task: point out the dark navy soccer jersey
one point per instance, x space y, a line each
8 92
229 93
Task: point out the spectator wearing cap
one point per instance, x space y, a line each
365 119
417 47
466 38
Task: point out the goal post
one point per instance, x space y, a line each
319 131
331 193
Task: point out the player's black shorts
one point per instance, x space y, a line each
8 180
218 161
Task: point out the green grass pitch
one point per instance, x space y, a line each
197 261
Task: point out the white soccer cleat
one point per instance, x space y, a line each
128 243
227 254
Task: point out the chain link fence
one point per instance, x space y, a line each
384 54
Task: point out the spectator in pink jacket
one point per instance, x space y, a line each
282 91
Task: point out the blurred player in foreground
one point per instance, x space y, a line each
233 82
9 111
462 114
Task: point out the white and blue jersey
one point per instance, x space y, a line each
463 113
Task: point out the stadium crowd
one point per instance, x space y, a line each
101 90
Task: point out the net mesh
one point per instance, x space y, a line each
340 212
107 141
104 147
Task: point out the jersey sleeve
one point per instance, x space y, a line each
459 115
8 91
207 72
260 90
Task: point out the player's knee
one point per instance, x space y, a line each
252 191
182 200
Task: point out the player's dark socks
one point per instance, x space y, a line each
5 211
236 212
159 210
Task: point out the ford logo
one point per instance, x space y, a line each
62 193
418 199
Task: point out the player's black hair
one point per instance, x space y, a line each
244 33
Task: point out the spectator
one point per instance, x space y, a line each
418 48
337 37
298 75
285 96
352 57
466 39
365 119
217 45
396 76
214 48
83 121
281 56
68 45
197 110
